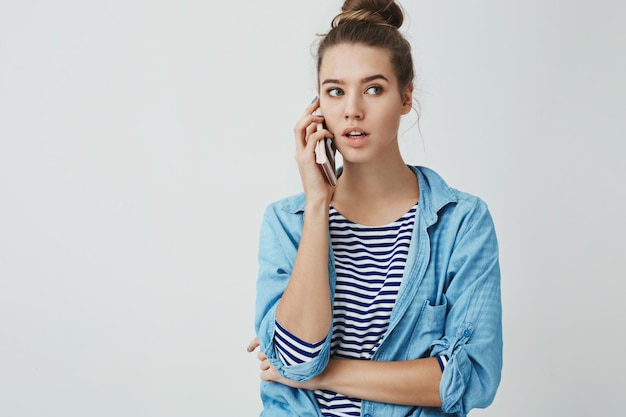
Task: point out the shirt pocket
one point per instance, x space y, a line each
430 326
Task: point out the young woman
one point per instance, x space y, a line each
380 296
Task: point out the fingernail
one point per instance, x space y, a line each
314 100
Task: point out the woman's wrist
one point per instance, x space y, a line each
317 205
321 380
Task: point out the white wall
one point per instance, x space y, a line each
141 140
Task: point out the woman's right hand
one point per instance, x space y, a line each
307 135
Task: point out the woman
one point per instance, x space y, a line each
380 296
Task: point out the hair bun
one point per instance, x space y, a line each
380 12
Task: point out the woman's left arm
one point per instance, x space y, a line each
412 382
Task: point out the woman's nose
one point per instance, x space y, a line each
354 107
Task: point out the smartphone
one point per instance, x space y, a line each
325 157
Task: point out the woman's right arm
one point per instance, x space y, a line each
305 308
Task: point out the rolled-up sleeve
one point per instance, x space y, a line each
473 329
278 244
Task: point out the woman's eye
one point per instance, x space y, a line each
375 90
335 92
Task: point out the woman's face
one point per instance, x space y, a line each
361 101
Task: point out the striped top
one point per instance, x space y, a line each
369 261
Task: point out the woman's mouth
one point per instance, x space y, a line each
354 136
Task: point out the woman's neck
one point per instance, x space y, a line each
375 194
376 180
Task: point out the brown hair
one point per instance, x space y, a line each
372 23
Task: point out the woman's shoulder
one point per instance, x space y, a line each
436 193
437 184
291 204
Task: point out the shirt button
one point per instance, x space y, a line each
367 415
467 333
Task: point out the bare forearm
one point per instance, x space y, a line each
305 308
414 382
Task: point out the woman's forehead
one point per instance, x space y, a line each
355 62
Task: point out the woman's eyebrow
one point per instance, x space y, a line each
374 77
363 80
332 81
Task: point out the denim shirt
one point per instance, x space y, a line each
448 304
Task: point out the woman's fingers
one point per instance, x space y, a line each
306 130
305 118
311 108
254 343
269 373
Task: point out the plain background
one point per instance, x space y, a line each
140 142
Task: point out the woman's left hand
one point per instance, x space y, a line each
269 373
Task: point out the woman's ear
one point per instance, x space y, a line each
407 99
